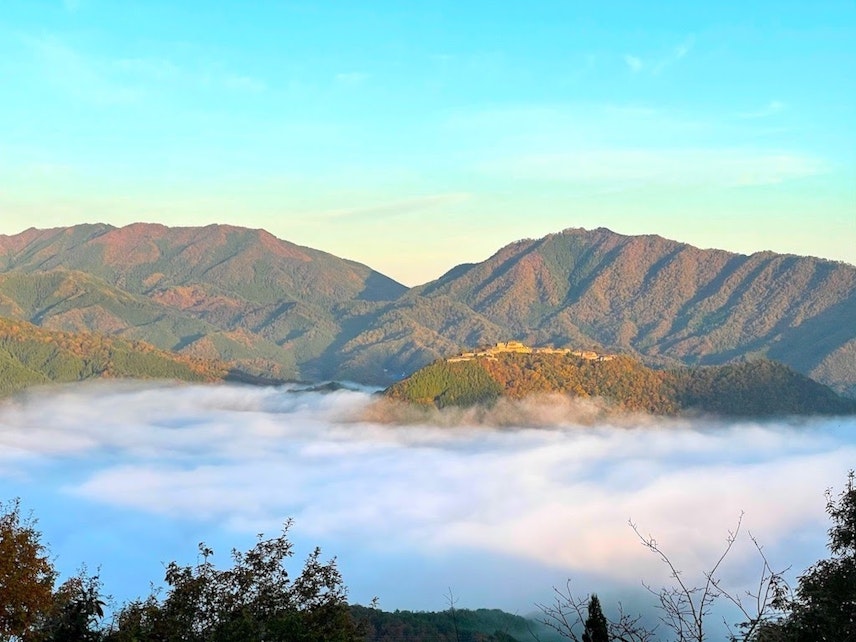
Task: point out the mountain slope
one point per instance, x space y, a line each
400 337
146 258
667 300
77 302
217 292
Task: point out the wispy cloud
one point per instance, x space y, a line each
236 82
77 74
558 126
164 71
396 208
684 48
352 78
153 68
634 63
108 81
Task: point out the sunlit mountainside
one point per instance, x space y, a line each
217 292
756 388
272 308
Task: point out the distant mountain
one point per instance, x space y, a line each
759 388
154 259
216 292
273 308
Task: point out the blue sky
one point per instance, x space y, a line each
416 136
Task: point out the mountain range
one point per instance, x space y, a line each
272 308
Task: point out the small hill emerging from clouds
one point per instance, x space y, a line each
760 388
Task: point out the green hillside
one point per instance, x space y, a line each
262 304
756 388
31 356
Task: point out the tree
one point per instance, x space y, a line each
77 608
450 598
596 627
27 575
256 599
824 607
685 607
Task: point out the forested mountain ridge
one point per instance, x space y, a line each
148 257
270 307
759 388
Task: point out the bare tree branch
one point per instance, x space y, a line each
686 608
567 613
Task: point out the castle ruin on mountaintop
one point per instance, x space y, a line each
503 347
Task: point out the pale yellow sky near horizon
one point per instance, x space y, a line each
417 239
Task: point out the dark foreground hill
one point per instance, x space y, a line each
459 625
758 388
272 308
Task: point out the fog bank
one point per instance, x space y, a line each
498 505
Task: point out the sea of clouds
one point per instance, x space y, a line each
497 505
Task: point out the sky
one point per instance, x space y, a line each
414 136
125 478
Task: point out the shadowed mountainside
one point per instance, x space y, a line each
273 308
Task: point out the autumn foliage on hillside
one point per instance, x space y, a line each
756 388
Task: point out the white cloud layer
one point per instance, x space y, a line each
556 496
